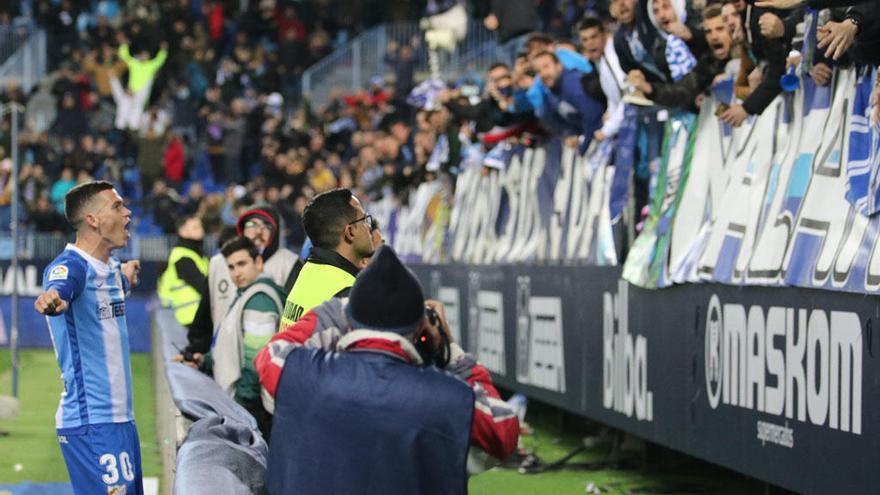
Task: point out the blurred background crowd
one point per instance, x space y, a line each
196 106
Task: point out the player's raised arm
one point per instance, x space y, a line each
63 280
50 303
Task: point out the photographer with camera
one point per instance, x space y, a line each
360 384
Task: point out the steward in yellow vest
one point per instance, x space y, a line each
185 280
340 231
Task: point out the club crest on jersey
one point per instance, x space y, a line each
59 272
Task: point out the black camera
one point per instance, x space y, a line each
440 354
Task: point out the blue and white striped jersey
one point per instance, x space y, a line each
90 339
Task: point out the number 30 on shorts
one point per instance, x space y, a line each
113 468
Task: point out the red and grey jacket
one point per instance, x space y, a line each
495 427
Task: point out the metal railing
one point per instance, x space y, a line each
38 246
23 54
13 35
350 68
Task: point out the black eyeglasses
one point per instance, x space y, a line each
367 217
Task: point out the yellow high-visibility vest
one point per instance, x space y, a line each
176 294
316 284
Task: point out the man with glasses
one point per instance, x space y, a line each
341 235
262 225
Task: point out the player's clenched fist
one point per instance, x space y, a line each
50 303
131 269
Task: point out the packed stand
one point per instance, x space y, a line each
201 114
169 101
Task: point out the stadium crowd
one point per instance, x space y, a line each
194 107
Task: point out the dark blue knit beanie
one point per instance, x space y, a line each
386 296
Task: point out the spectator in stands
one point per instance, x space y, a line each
598 47
678 57
102 65
164 204
174 160
44 218
732 17
151 144
859 28
494 116
511 18
129 104
247 326
263 226
141 68
339 229
184 282
70 121
540 42
767 40
684 93
670 17
568 109
34 185
65 183
638 44
385 321
401 58
194 197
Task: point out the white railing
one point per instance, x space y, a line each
39 246
350 68
23 52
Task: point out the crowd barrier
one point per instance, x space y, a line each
757 354
777 383
221 451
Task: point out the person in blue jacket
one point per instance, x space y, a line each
568 108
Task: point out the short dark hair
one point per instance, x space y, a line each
590 23
711 11
326 215
237 244
183 219
547 53
77 198
498 65
538 37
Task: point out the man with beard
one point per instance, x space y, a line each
568 108
684 93
341 235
